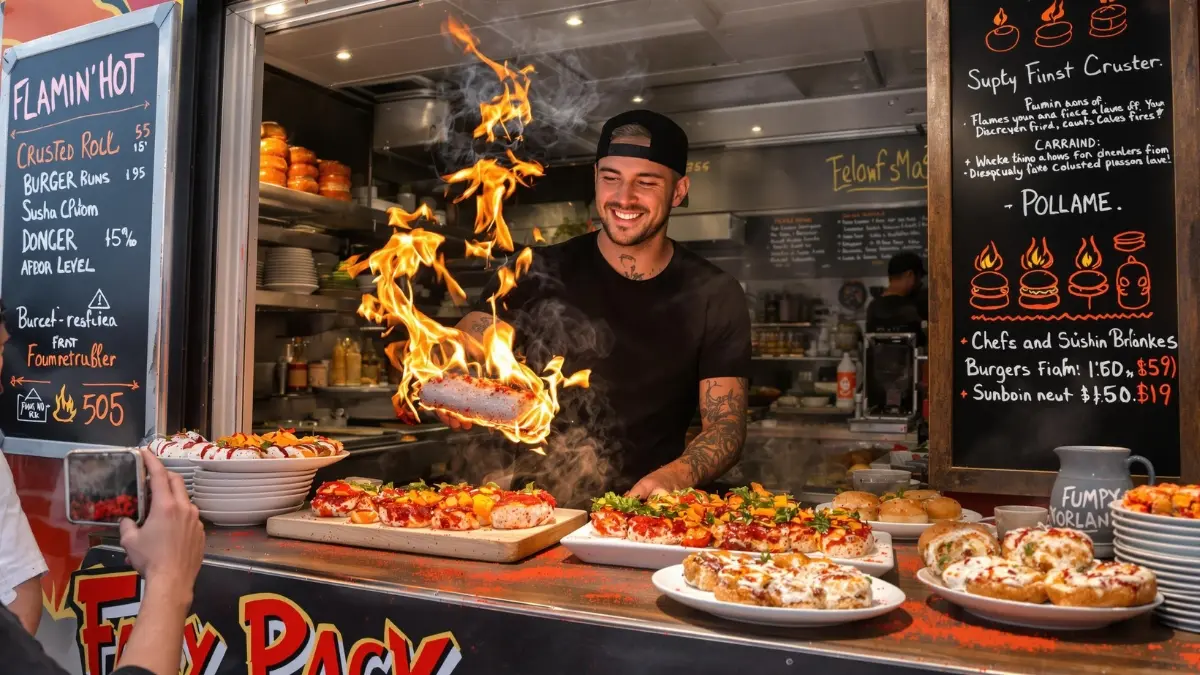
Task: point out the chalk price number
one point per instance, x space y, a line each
136 173
104 407
116 237
1164 366
141 133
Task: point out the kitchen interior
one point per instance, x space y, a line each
773 95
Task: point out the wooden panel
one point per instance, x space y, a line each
941 325
486 545
1187 232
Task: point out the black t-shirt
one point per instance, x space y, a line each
21 653
894 314
648 343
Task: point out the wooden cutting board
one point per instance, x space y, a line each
486 544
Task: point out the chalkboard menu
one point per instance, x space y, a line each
854 243
1063 231
85 145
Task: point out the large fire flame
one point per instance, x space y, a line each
1088 257
989 259
1001 18
433 350
1055 11
1037 257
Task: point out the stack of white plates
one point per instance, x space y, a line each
291 270
182 467
242 499
1170 547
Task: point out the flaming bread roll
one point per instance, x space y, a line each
902 511
946 543
476 397
656 530
1103 584
272 130
331 168
272 162
1048 548
523 510
865 503
739 536
336 499
942 508
272 176
302 171
303 185
273 146
995 577
299 155
701 569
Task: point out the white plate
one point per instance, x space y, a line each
590 547
1189 626
207 493
245 488
1029 615
886 597
1191 524
1134 533
243 518
303 289
1173 550
1155 560
1122 517
175 462
907 531
1188 611
225 503
264 484
251 477
271 466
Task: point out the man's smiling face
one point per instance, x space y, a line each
635 196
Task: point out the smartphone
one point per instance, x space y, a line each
104 486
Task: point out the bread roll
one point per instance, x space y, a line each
273 176
946 543
942 508
334 183
921 495
273 162
902 511
273 146
1107 584
331 168
303 185
302 171
272 130
340 195
299 155
865 503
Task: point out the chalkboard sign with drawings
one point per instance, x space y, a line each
1063 232
88 162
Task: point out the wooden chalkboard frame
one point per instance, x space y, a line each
166 18
1185 91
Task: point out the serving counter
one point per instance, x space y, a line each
272 599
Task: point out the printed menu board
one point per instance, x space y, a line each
1063 231
81 276
855 243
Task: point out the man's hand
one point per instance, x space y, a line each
168 548
663 480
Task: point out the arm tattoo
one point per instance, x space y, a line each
477 326
719 446
630 264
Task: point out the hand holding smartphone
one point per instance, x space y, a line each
104 486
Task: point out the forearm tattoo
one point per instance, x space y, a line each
719 446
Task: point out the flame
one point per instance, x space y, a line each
989 259
537 236
540 451
1037 258
433 350
64 406
1055 11
1088 257
1001 18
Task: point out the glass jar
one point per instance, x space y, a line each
337 365
318 374
298 367
353 364
370 365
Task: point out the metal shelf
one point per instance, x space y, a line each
304 303
283 203
273 234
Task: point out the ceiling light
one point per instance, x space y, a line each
756 129
343 55
275 9
637 99
574 21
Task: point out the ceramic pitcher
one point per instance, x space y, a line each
1090 477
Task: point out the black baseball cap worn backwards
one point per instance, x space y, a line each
668 141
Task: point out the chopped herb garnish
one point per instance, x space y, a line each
709 518
820 522
943 560
1029 549
764 558
786 513
616 502
418 485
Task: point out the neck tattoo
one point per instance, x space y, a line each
629 267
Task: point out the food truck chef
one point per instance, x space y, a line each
662 330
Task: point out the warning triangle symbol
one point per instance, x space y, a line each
99 301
